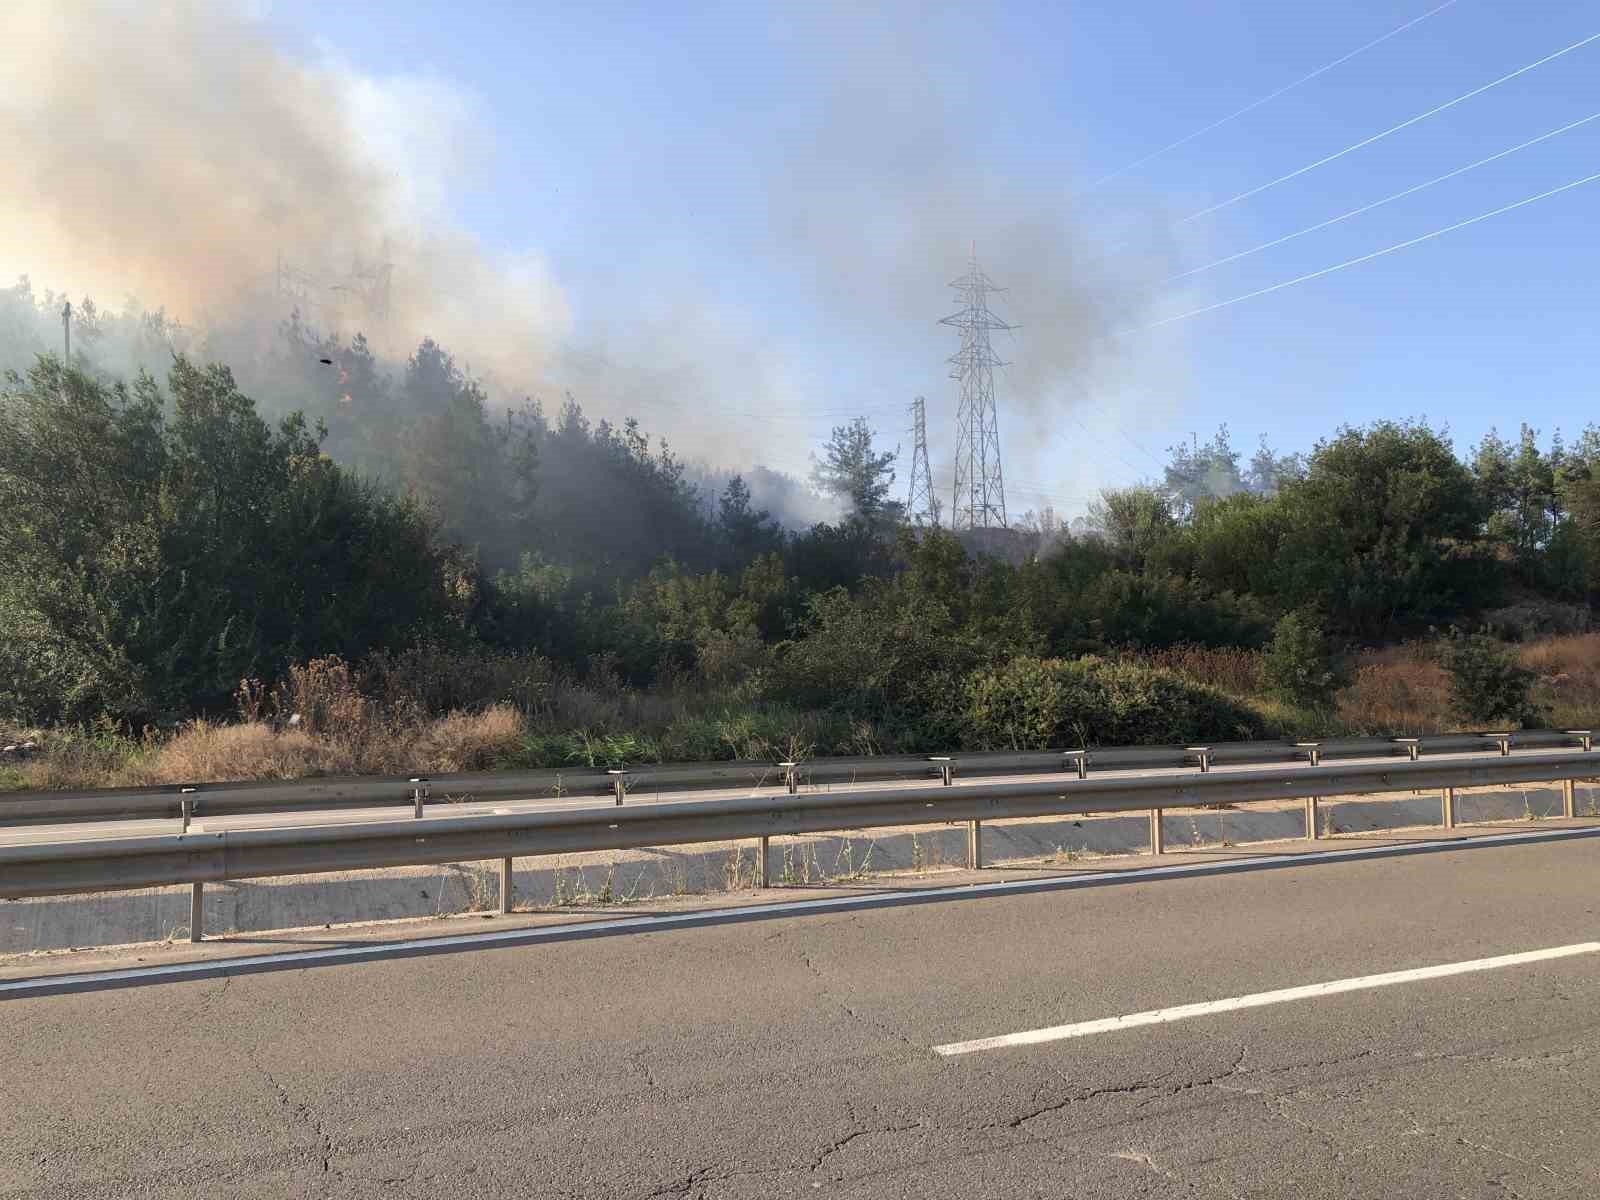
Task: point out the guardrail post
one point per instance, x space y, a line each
186 808
1158 843
619 784
1080 760
1585 737
506 896
1447 807
1569 798
762 849
791 777
1413 746
419 794
1503 740
1313 753
974 845
197 912
1203 753
946 768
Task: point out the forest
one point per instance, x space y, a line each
228 562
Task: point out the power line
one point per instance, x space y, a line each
1268 98
1351 262
1378 137
1356 212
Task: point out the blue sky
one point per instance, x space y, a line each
745 192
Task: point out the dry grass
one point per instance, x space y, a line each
1397 695
211 752
466 741
1231 669
1575 652
1568 668
70 760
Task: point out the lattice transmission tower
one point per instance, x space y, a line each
980 492
921 506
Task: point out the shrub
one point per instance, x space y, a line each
1152 611
1299 666
1227 667
1487 683
1032 703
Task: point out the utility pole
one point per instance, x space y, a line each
66 329
920 507
980 494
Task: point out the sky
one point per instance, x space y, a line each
738 221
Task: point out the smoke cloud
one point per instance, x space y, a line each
901 179
171 151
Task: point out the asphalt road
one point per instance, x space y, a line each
796 1057
144 827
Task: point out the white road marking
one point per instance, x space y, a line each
1311 991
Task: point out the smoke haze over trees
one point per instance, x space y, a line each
162 543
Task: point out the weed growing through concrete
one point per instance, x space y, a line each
844 862
787 874
481 893
632 893
733 870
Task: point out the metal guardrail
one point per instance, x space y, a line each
104 864
231 799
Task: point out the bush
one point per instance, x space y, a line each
1033 704
1488 684
1153 611
1299 666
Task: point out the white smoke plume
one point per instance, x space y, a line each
170 150
174 151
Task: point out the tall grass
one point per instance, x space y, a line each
1229 668
436 710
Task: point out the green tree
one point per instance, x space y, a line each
1199 472
1487 683
476 474
1517 486
1133 521
854 472
1268 471
746 532
1299 665
1383 532
156 560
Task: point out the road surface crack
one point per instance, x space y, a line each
299 1114
835 1147
1526 1162
1144 1160
641 1067
828 993
1135 1088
